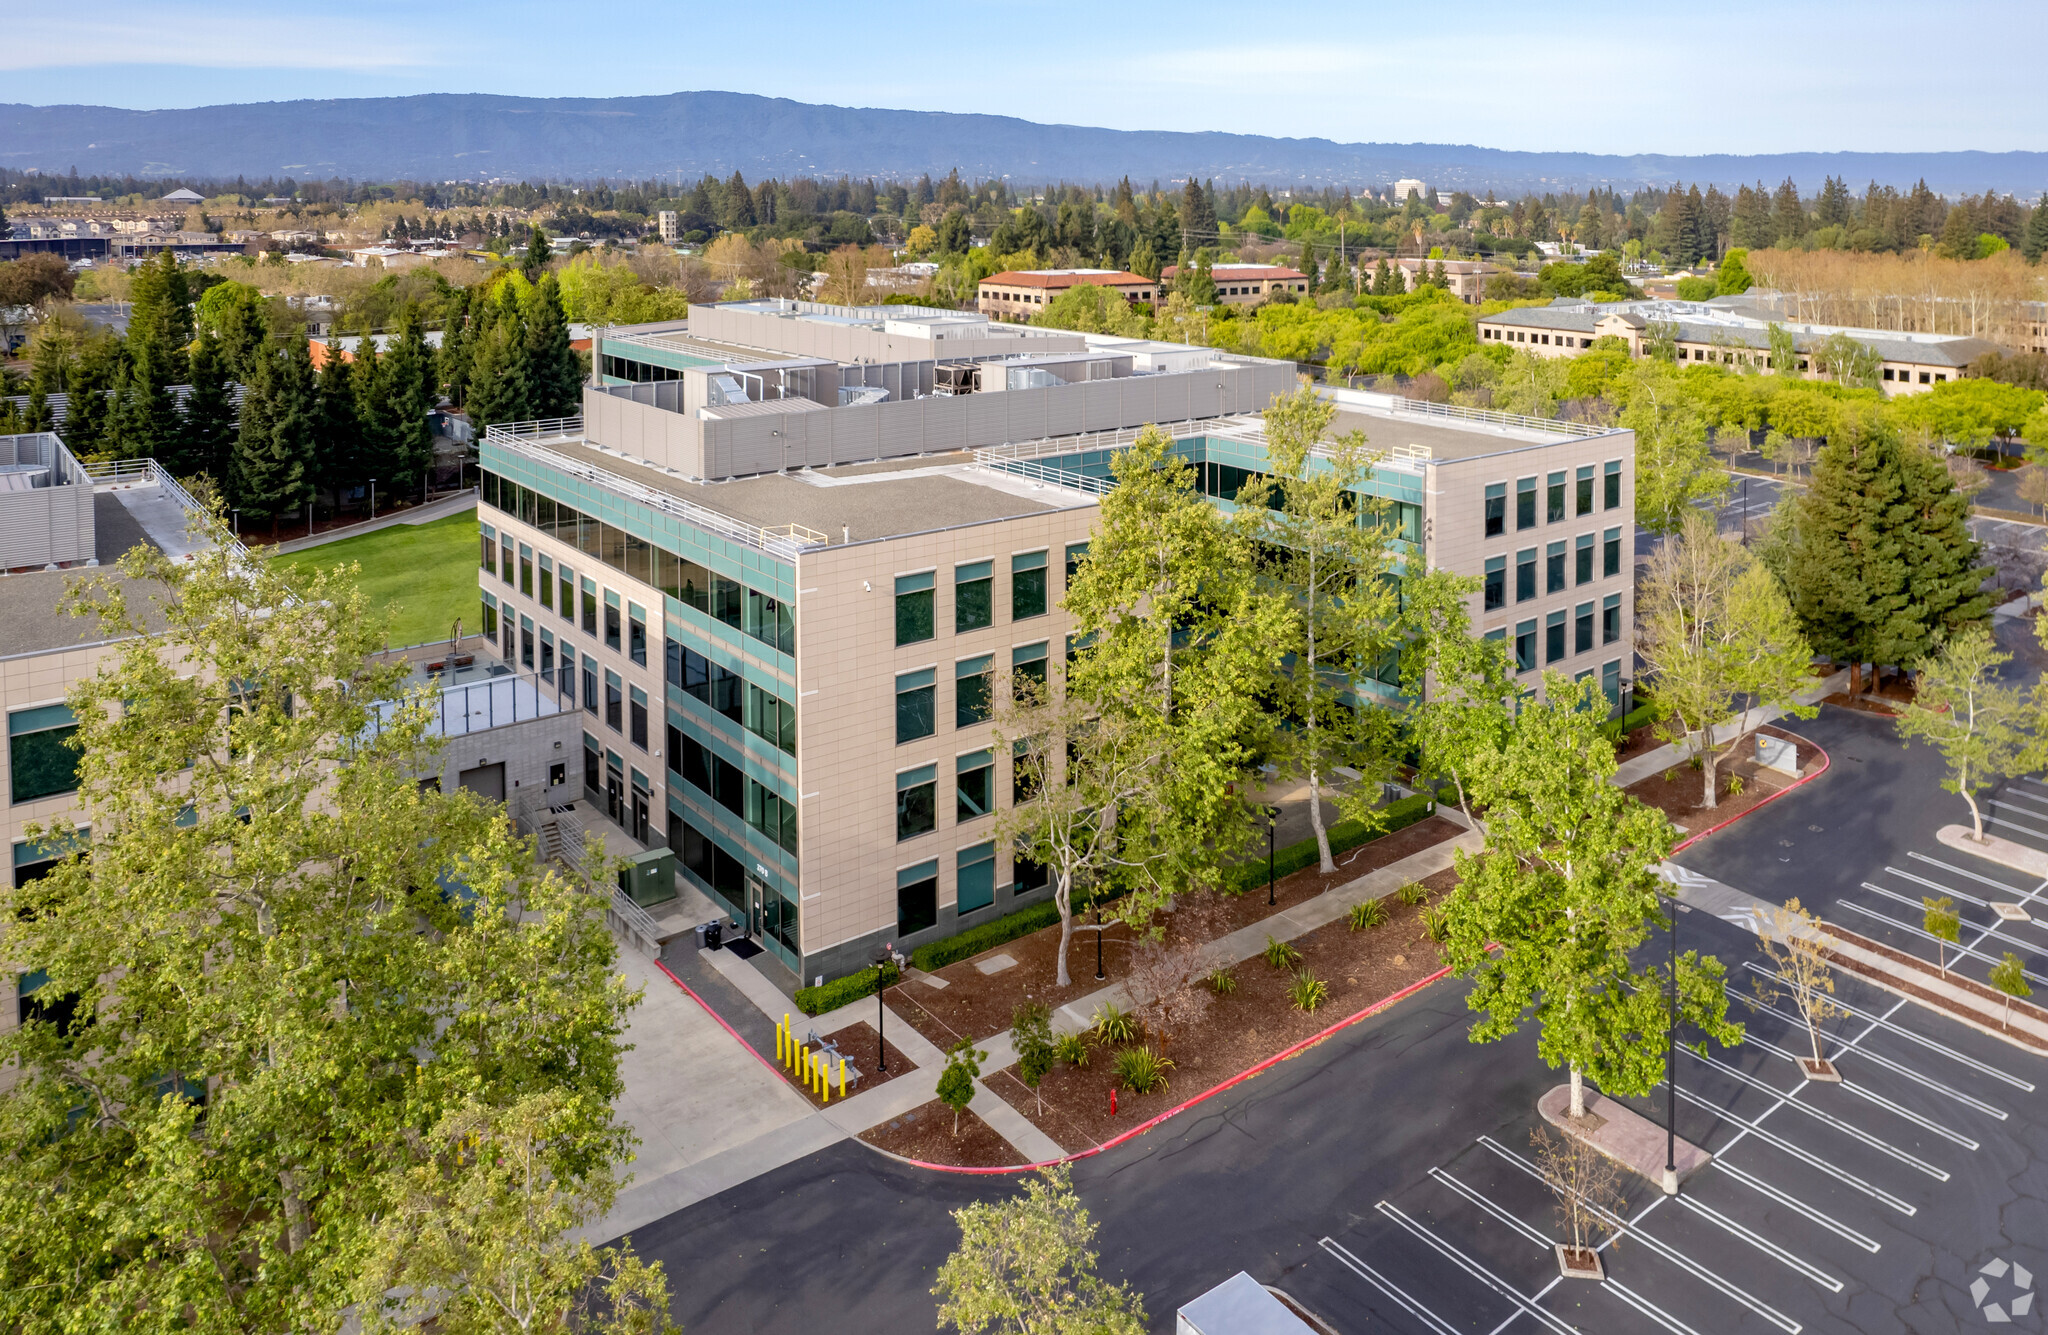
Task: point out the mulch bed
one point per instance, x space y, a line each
1235 1031
857 1044
1859 704
1635 743
978 1005
1677 791
926 1133
1912 964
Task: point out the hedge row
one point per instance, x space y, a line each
1616 729
841 991
989 935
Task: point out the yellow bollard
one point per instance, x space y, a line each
778 1040
842 1077
824 1085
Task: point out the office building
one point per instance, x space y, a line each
1246 284
1019 294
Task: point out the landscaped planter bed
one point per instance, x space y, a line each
925 1133
1235 1031
977 1004
856 1044
1678 795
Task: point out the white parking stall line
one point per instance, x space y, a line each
1797 1206
1825 1118
1407 1302
2024 813
1649 1309
1762 1244
1968 874
1864 1092
1969 952
1842 1175
1935 886
1997 927
1865 1054
1498 1212
1476 1270
2015 827
1885 1023
1661 1248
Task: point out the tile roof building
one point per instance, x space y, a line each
1018 294
1246 284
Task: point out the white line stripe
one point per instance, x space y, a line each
1827 1119
1968 952
1662 1248
1884 1022
1862 1091
1935 886
1996 923
1650 1310
1476 1270
1473 1195
1762 1244
1841 1175
1373 1277
1793 1203
1963 871
2025 797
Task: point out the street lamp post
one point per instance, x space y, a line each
1099 975
373 498
1671 1063
881 987
1272 819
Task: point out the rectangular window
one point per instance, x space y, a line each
593 764
490 617
506 559
1525 645
1582 500
1555 507
1525 503
1582 550
589 684
728 601
490 546
612 638
1610 682
1610 618
568 682
1028 660
1496 509
771 621
974 785
1553 636
1582 628
674 758
526 570
913 608
1076 552
1610 554
688 583
1025 772
1027 586
547 583
1553 567
614 701
589 608
914 713
1496 582
712 685
547 655
917 898
565 585
771 718
916 803
970 691
39 761
1611 478
1525 575
526 643
636 633
977 877
773 816
974 597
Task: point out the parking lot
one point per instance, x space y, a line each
1872 1205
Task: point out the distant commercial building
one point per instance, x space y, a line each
1409 186
1466 279
1018 294
182 196
1245 284
1726 331
670 223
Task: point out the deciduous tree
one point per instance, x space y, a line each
1025 1267
1961 709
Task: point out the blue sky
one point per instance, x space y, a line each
1739 76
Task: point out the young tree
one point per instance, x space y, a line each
1567 888
1673 467
1462 687
286 963
956 1082
2033 486
1797 946
1031 1039
1718 640
1328 552
1024 1266
1587 1185
2009 976
1961 709
1939 919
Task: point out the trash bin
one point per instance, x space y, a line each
714 933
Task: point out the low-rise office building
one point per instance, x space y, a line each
771 585
1019 294
1725 331
1246 284
1463 279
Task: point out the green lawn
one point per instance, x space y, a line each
423 575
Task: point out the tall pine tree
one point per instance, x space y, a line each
206 427
408 391
338 461
556 376
274 450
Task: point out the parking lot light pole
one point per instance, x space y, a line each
1272 819
1671 1061
882 964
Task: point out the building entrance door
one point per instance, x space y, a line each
614 793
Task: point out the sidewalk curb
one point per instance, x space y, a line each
1826 762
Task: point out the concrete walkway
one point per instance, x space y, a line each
1638 768
439 508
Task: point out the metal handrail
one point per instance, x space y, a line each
1549 425
786 541
544 426
148 472
1037 472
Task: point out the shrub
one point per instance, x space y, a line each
1111 1025
1071 1049
841 991
1280 955
1307 991
1369 914
1141 1070
1344 836
1437 922
1735 785
1413 893
1222 982
1616 729
938 954
1031 1039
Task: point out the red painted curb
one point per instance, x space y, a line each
1825 761
692 995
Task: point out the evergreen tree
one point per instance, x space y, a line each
408 388
90 383
206 427
1197 217
1944 581
2035 242
274 449
144 420
457 343
538 253
498 388
555 374
1750 227
338 461
1832 209
1788 215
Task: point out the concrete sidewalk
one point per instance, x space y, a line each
1638 768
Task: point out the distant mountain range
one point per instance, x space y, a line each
474 136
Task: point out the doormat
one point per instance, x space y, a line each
743 948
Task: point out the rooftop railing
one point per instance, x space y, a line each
146 473
1487 416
